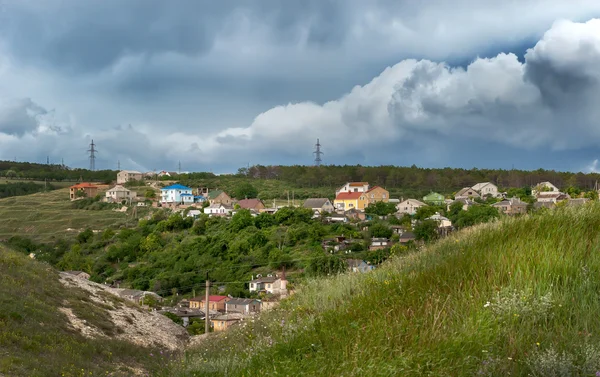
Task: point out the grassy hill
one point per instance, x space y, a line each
37 338
519 297
46 216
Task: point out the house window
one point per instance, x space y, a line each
355 190
372 195
383 196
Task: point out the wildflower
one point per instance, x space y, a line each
487 304
537 344
510 358
598 373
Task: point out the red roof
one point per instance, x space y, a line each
216 298
83 185
249 203
373 188
358 183
348 195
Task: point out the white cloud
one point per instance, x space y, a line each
500 99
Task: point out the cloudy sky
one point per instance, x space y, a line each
218 85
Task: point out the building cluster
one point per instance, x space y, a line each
225 311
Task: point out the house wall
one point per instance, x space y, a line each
378 194
348 188
174 196
407 207
123 177
222 198
489 190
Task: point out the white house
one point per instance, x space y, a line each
443 222
176 194
466 193
353 187
487 189
409 206
119 193
218 209
544 187
125 176
270 284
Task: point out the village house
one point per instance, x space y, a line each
466 203
242 305
84 189
407 237
218 209
270 284
255 204
355 214
345 201
357 265
125 176
544 187
176 194
551 196
225 321
79 274
214 302
513 206
409 206
219 197
486 189
353 187
319 205
466 193
444 224
434 198
337 218
378 194
119 193
379 243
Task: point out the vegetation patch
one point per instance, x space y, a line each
517 297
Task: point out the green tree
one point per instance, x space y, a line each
381 208
427 211
591 195
245 191
242 219
476 215
379 230
426 230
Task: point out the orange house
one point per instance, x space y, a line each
214 303
350 200
89 190
378 194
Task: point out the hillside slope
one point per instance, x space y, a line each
49 328
520 297
48 216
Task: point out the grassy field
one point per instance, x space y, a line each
49 215
58 184
36 339
517 297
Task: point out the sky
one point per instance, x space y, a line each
216 86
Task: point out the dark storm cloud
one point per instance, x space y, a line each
19 117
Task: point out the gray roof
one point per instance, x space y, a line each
241 301
355 262
229 317
315 202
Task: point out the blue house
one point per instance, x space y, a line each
176 194
199 199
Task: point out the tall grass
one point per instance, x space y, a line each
518 297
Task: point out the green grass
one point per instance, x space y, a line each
519 297
46 216
58 184
35 337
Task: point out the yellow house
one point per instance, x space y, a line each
351 200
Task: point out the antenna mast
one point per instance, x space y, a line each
92 151
318 154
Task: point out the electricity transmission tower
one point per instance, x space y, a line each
318 154
92 151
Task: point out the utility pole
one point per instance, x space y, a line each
288 195
206 307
